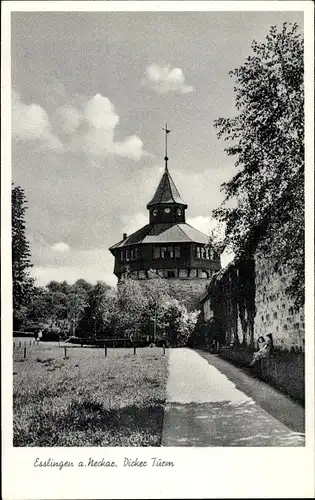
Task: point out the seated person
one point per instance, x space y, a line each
265 349
260 343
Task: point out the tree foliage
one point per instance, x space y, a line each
264 201
22 281
95 320
143 309
148 308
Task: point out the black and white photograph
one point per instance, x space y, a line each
158 227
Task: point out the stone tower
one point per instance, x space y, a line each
168 245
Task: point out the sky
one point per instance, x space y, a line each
91 92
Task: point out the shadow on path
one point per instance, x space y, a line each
224 424
280 406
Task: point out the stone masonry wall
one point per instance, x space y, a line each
275 311
189 291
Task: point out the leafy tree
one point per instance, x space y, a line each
76 304
22 281
157 293
82 286
177 323
48 306
56 286
132 306
264 201
148 307
94 321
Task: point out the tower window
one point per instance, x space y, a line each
128 254
134 253
202 253
204 274
167 252
156 252
121 255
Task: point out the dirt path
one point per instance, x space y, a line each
209 403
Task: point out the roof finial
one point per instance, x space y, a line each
167 131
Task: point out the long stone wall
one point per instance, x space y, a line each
250 301
275 311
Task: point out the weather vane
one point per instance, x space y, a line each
167 131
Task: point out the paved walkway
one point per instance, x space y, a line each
205 408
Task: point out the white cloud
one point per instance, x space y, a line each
101 120
100 113
30 122
60 247
163 79
68 119
43 275
204 223
96 137
90 265
133 222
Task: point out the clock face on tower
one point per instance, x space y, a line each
155 213
167 210
179 211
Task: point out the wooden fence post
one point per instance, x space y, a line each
65 356
105 350
13 345
134 348
24 352
163 348
20 343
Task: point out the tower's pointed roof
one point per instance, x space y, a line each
166 193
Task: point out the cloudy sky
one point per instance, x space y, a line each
90 95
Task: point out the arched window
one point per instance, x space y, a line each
134 253
171 274
204 274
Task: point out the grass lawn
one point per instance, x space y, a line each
88 399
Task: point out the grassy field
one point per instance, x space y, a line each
88 399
